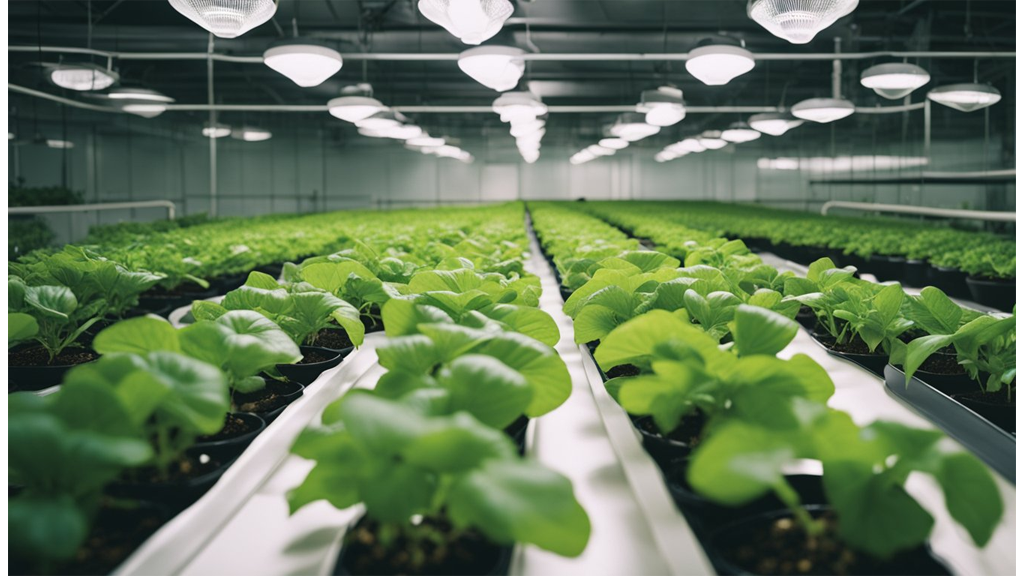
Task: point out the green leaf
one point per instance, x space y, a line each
258 279
242 342
21 327
740 463
532 322
972 496
403 317
486 388
139 336
542 367
457 444
55 302
934 312
634 341
41 527
920 349
594 323
199 394
521 501
758 330
206 310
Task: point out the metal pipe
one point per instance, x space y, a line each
213 127
561 57
171 208
921 210
61 99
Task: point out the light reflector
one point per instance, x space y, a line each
633 126
354 108
250 134
740 132
663 106
965 97
894 80
216 130
226 18
497 67
82 77
613 143
471 21
798 21
717 64
774 123
303 62
823 110
712 140
515 107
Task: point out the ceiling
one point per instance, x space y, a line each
546 26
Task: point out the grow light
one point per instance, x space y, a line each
613 143
496 67
354 108
304 62
526 128
216 130
145 109
531 156
712 140
691 145
59 144
226 18
251 134
894 80
774 123
425 141
140 101
515 107
633 126
403 132
471 21
965 97
598 150
662 107
823 110
798 21
717 64
380 121
740 132
82 77
843 163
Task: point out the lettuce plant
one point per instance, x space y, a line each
64 448
865 470
874 316
20 327
60 321
473 309
404 464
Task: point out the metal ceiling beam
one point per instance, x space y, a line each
552 57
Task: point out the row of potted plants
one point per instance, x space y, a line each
181 403
690 353
965 264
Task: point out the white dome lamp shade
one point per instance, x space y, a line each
774 123
424 140
662 107
251 134
715 63
497 67
404 132
216 130
354 108
823 110
712 140
226 18
613 143
894 80
82 77
632 127
798 21
471 21
598 150
140 101
304 62
740 132
690 145
516 107
380 121
965 97
526 128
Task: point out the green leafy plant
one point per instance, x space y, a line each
20 327
473 309
60 321
403 464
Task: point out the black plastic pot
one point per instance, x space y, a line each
807 318
875 363
952 281
165 303
705 516
305 374
1002 414
517 432
915 273
886 267
998 293
858 262
30 378
502 559
918 561
175 495
228 282
565 292
232 447
343 350
287 392
273 269
663 449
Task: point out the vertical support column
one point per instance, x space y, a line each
213 121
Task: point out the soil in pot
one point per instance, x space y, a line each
235 426
119 528
270 399
624 370
315 357
775 543
678 443
28 367
186 481
996 407
856 350
333 339
314 362
38 356
469 553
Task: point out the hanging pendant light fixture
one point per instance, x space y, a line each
216 130
740 132
251 134
613 143
424 140
690 145
404 132
798 21
712 140
633 126
60 144
823 110
305 62
383 121
894 80
81 77
355 103
140 101
226 18
497 67
715 62
515 107
526 128
662 106
774 123
471 21
965 97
